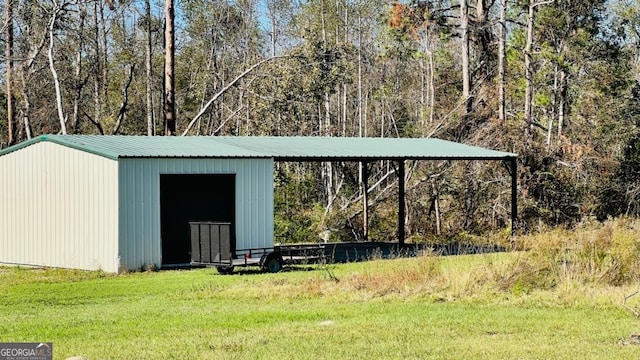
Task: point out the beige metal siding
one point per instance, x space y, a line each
58 207
140 241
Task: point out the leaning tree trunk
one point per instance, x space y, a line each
54 72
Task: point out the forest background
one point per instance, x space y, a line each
555 81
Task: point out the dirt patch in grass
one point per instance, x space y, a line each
632 340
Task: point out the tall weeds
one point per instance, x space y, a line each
561 261
603 253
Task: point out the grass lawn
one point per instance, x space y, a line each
427 307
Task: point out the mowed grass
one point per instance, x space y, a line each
428 307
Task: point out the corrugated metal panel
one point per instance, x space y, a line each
140 241
59 208
308 148
114 147
360 148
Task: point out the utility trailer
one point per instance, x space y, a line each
212 245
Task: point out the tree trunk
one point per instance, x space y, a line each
9 56
436 207
26 105
423 95
502 64
271 6
151 125
484 38
528 63
79 83
327 166
97 73
125 101
432 88
528 76
360 122
466 79
555 106
561 103
344 86
104 53
54 73
26 69
169 94
327 170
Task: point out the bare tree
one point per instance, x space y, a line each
57 8
30 52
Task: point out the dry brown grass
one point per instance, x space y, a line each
593 265
596 261
602 253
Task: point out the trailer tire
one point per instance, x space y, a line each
273 264
224 270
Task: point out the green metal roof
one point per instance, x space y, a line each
278 148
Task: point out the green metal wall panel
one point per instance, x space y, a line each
139 179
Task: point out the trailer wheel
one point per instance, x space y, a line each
273 264
224 270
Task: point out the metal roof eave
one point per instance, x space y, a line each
390 158
60 141
293 149
192 157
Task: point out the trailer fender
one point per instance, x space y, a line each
272 262
225 270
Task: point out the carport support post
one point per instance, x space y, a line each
401 202
364 168
514 194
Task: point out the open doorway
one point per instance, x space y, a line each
192 197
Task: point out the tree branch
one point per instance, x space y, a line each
94 122
227 119
543 3
125 101
225 88
624 303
